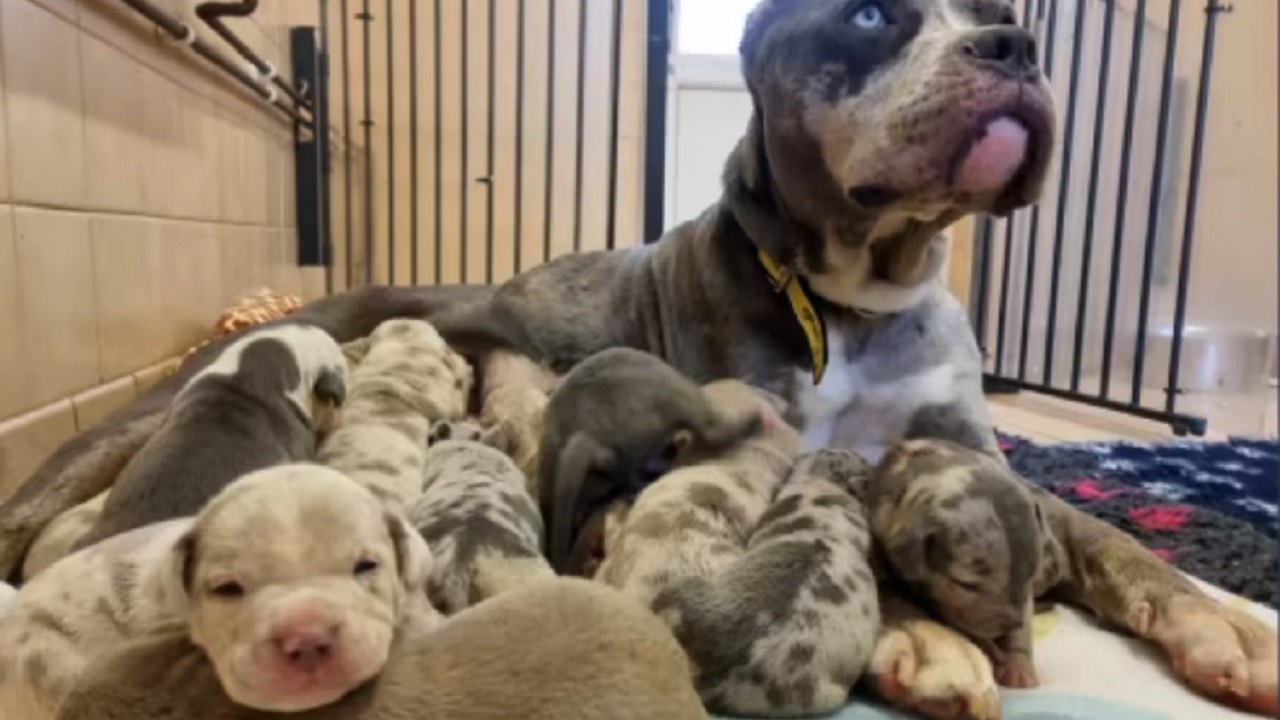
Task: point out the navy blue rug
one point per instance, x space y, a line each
1207 507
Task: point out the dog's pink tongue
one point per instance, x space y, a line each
995 158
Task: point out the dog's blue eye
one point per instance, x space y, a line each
869 16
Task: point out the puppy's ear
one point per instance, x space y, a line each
355 351
331 387
914 549
413 557
179 575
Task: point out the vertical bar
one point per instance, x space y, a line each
1122 199
306 150
413 143
1064 192
346 138
1099 117
615 79
986 232
1153 202
1193 196
1002 315
519 194
439 120
488 185
391 150
465 184
657 55
368 147
1033 232
551 129
582 91
320 113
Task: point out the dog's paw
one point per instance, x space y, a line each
1220 651
931 670
1017 671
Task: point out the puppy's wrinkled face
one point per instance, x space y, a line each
411 359
963 531
296 579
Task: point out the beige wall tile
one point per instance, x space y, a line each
192 257
93 405
11 350
133 312
114 127
27 440
149 376
4 125
162 151
68 9
59 318
45 105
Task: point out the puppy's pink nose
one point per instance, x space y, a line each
307 648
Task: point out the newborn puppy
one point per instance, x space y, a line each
59 538
788 627
293 581
514 401
560 649
613 415
260 403
480 522
696 520
967 537
405 379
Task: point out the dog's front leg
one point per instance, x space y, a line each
1220 651
925 667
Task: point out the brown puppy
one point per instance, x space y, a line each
788 627
262 402
561 649
969 537
294 618
480 522
611 416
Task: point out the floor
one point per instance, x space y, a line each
1050 420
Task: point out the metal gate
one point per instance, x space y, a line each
468 140
1071 292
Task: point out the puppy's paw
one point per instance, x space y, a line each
1220 651
1017 671
926 668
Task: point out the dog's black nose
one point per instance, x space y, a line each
1009 50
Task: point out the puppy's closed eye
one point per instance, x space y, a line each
364 566
229 590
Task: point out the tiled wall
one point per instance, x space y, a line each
140 193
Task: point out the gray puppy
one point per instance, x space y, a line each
479 520
789 626
262 402
610 419
969 538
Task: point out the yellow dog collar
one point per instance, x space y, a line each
784 280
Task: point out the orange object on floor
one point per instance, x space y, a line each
256 308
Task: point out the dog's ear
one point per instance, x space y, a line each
331 386
178 578
748 194
914 550
355 351
413 557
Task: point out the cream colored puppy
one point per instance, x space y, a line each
293 581
405 378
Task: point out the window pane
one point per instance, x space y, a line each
711 27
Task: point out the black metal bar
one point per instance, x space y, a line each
1122 199
179 30
615 92
1033 231
367 18
1193 196
551 126
346 139
1181 424
1153 201
519 179
391 147
489 165
413 143
578 151
321 117
1002 315
439 120
466 169
985 236
1064 193
657 55
306 153
213 12
1099 120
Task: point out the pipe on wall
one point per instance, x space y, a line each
185 34
211 13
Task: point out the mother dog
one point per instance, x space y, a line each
876 124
